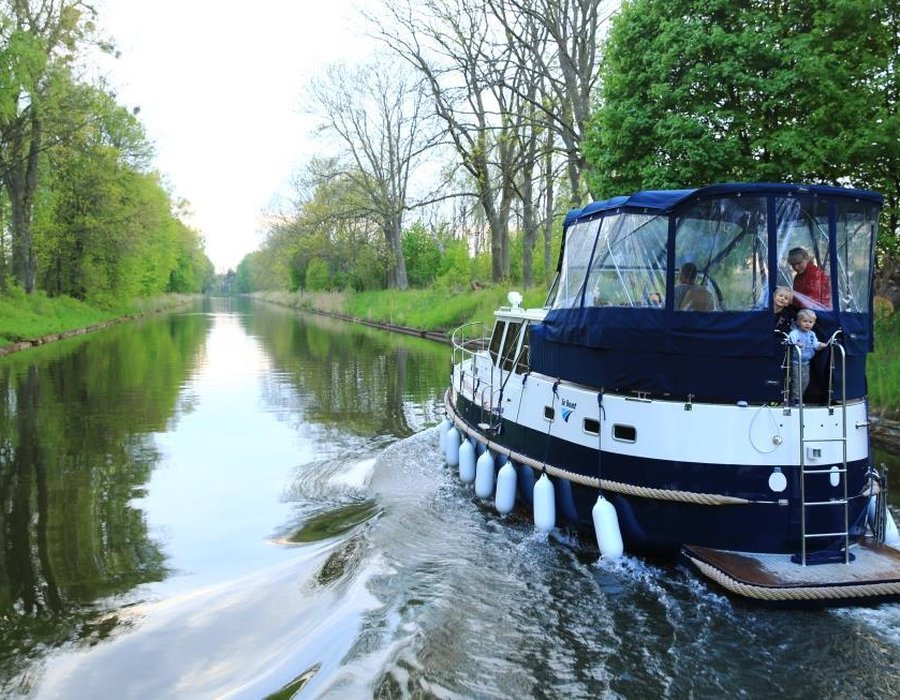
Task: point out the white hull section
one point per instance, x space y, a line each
656 429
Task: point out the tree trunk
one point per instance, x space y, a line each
21 185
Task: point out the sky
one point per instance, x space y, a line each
219 87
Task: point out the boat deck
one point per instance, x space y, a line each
874 574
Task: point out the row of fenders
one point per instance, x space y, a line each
479 466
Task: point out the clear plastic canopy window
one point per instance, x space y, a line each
721 256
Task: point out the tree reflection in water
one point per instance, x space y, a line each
76 419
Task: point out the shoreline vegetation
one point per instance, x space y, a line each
31 320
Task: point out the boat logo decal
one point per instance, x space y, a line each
566 413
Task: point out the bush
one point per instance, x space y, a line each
317 277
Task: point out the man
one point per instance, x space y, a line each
689 296
812 288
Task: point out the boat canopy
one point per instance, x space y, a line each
669 292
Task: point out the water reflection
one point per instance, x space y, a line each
175 451
75 449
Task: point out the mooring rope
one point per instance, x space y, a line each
708 499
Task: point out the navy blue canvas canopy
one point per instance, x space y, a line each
614 322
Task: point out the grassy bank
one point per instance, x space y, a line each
25 317
883 368
440 310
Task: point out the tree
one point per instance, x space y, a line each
557 43
459 49
783 90
379 117
39 41
421 250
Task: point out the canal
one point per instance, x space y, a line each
241 501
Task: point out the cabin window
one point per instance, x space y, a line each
856 227
625 433
522 363
510 344
629 263
802 226
721 255
496 340
576 256
591 425
549 412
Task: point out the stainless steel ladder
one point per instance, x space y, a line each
805 472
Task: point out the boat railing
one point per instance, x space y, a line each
468 340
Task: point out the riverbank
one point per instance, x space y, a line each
27 321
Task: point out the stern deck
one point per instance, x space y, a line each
874 574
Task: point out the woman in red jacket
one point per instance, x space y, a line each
812 288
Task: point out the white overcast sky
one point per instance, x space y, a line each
219 87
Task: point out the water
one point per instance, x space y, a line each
242 502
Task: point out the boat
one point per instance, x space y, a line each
649 401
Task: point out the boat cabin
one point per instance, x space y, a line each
669 293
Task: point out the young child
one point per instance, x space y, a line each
785 312
803 336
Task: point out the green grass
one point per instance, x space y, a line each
883 367
26 317
426 309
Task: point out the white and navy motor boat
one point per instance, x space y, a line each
649 400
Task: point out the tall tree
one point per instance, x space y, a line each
40 39
460 51
379 116
557 44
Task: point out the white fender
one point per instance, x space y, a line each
484 475
606 528
467 462
451 448
443 427
505 497
544 505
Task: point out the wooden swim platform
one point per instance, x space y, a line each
872 576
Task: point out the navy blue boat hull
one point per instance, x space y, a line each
663 526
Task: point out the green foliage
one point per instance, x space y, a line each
422 254
883 368
317 276
456 269
700 92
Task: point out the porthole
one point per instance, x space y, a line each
625 433
591 425
549 412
